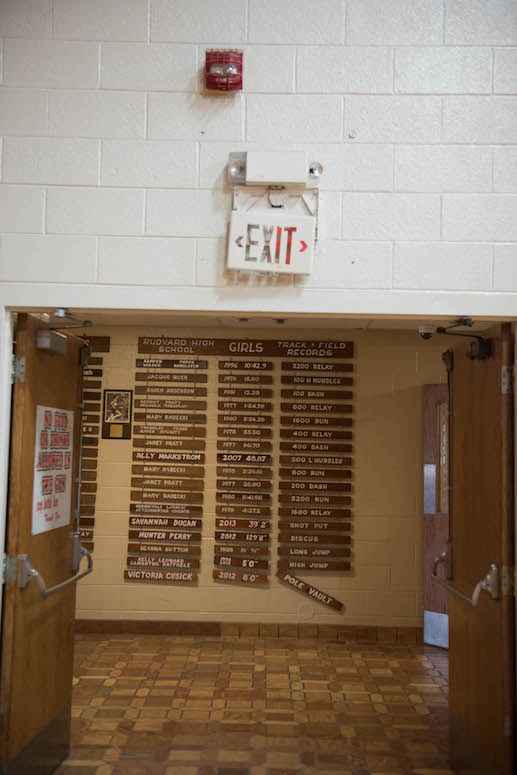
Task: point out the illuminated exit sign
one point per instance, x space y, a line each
271 242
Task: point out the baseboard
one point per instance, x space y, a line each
330 632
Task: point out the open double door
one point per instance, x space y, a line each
37 632
477 565
43 556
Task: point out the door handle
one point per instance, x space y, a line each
27 572
490 583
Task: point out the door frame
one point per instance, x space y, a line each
6 349
7 317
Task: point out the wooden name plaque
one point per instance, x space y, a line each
167 390
176 363
308 526
244 445
233 392
315 473
244 459
302 379
167 522
245 406
240 577
313 421
318 435
237 537
246 433
249 550
310 591
170 457
154 576
236 510
155 496
318 366
192 431
333 448
231 485
247 472
251 563
329 461
165 442
314 565
306 394
251 498
163 549
149 561
313 499
89 430
245 419
316 487
165 536
159 483
313 513
312 538
166 417
245 379
314 551
153 377
167 470
178 404
175 509
242 524
311 407
245 366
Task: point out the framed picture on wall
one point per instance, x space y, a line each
116 414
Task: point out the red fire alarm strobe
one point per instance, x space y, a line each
223 69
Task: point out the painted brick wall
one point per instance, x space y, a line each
112 157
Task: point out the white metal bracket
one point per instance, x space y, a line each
507 380
18 370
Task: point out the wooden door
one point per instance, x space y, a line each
436 508
482 685
37 633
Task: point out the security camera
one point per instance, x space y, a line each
426 332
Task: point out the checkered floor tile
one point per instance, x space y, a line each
159 705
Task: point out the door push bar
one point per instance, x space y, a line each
28 572
490 583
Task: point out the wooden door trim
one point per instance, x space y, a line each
482 667
50 710
508 527
6 351
15 474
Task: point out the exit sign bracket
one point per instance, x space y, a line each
273 229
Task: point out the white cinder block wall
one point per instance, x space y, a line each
112 157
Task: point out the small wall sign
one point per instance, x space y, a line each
52 484
271 242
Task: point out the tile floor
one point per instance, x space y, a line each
159 705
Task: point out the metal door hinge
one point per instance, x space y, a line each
18 369
507 580
9 570
506 380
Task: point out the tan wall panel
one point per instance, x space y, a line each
385 584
